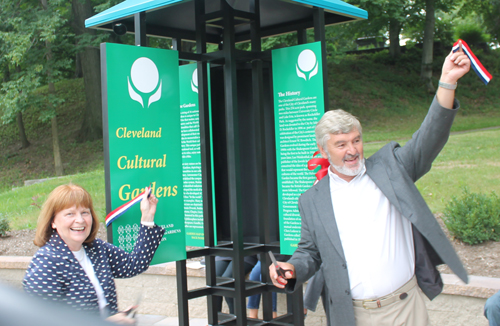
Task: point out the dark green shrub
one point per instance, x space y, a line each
471 33
4 226
473 217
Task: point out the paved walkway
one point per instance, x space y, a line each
158 320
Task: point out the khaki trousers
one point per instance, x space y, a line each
410 311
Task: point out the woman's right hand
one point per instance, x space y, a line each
121 318
148 208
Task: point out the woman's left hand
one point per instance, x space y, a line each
148 208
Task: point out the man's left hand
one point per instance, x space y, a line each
455 66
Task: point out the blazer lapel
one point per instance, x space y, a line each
61 247
323 203
99 269
376 171
90 250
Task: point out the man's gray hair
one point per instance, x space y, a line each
335 122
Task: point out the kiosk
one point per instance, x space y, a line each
242 178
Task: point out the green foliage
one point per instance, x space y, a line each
487 13
443 28
34 44
14 97
409 13
4 226
473 217
471 32
103 5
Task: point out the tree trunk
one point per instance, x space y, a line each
52 90
90 61
92 121
22 133
57 151
394 30
78 66
428 47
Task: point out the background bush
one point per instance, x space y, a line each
471 33
4 226
473 217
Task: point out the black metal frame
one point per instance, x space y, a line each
230 58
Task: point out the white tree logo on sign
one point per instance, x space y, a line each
307 64
194 81
145 79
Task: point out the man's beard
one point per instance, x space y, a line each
352 172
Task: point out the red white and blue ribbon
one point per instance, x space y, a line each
318 161
483 74
113 215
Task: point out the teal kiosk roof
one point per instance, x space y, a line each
175 18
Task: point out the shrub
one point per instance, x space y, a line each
4 226
473 217
471 33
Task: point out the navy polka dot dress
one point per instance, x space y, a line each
55 275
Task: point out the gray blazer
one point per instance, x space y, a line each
394 169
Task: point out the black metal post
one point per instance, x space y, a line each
140 29
320 36
301 36
182 293
206 171
233 161
105 129
260 146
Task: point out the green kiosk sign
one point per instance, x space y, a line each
298 105
142 134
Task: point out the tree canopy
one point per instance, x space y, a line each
26 27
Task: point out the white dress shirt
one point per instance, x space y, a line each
377 240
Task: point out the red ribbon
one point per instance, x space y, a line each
318 161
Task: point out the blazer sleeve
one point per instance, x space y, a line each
306 258
124 264
427 142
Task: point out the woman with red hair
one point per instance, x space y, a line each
75 268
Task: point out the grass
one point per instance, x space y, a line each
22 205
403 128
468 159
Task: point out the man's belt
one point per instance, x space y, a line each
399 294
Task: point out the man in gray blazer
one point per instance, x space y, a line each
367 223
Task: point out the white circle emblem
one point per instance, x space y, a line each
195 77
307 60
144 74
